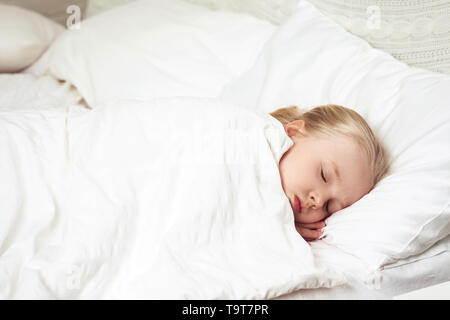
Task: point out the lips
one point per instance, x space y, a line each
297 205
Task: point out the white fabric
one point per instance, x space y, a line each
311 61
415 32
399 278
275 11
24 36
20 91
98 6
148 200
171 48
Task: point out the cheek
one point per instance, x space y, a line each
297 174
289 174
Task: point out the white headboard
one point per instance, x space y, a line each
53 9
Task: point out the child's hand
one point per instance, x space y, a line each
310 231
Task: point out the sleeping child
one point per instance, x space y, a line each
334 161
180 197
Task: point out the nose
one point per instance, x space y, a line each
315 200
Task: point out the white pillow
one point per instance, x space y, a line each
24 36
153 48
311 61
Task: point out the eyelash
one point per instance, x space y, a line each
323 177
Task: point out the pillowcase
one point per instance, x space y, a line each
24 35
311 61
153 48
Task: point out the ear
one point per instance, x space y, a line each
295 127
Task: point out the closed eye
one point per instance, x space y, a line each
323 176
326 206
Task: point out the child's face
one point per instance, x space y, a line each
315 190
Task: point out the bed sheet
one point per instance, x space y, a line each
402 277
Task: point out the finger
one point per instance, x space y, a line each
309 233
314 225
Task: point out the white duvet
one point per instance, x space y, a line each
170 198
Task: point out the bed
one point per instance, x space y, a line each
61 107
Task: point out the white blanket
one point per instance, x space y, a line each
170 198
19 92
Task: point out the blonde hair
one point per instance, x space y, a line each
329 120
